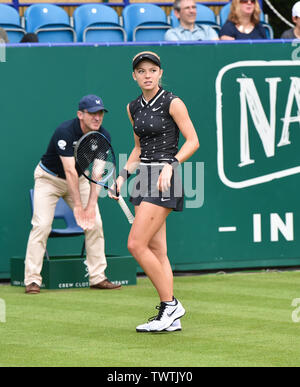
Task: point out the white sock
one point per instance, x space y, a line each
172 303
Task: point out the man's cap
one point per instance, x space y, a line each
296 9
146 56
91 103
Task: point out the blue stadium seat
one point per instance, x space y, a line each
269 30
205 15
98 23
224 13
62 211
145 22
50 22
10 21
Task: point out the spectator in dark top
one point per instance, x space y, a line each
294 33
30 38
243 22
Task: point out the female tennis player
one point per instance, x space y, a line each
157 117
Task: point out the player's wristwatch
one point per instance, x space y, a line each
125 174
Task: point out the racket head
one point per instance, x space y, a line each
95 159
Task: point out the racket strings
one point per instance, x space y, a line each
95 158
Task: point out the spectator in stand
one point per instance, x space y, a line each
3 36
30 38
186 12
243 22
294 33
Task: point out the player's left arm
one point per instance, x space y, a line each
180 115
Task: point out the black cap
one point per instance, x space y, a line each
146 56
91 103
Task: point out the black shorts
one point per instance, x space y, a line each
145 188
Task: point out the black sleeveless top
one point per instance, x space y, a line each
156 129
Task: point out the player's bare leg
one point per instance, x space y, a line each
147 243
148 226
158 245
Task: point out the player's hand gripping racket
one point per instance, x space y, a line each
96 160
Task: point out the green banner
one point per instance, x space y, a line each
242 202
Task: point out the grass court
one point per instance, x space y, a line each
240 319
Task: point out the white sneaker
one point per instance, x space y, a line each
176 326
166 316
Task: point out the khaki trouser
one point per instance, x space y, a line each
47 190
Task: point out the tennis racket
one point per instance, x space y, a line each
95 159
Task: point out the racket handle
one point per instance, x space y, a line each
126 210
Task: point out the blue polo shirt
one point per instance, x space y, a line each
200 32
62 143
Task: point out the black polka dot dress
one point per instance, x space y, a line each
159 136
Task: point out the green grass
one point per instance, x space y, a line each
232 320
